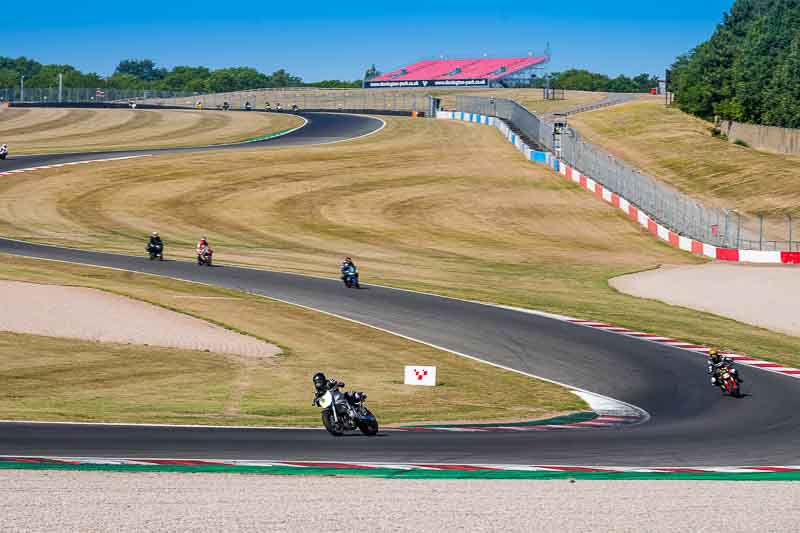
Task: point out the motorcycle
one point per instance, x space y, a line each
3 153
350 278
346 412
155 251
729 381
204 257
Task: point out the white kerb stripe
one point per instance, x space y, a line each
643 219
624 204
590 184
709 251
757 256
576 176
685 244
606 195
663 233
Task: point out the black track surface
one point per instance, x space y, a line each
692 424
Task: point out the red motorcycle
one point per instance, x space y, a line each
204 256
729 381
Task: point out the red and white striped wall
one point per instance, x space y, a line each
634 213
668 236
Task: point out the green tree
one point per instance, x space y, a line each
143 69
747 70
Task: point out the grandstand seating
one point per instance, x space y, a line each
461 69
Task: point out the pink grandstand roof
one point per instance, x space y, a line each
459 69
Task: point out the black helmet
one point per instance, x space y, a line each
319 378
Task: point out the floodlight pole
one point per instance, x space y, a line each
22 88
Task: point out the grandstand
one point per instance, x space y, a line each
485 72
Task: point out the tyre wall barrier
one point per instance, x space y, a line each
633 211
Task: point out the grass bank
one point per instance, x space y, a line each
679 149
45 378
49 130
445 207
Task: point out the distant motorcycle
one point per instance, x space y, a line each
156 251
350 278
346 412
3 152
205 256
729 381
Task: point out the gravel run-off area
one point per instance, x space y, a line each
93 501
761 295
90 314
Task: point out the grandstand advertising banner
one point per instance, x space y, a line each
402 84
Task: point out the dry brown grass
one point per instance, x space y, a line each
58 379
33 131
440 206
679 149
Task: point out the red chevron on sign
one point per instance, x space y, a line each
420 375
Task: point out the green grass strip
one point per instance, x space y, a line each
389 473
270 136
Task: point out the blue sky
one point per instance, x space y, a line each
321 40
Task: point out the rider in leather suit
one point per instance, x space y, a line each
716 362
322 385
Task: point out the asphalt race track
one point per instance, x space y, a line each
691 424
321 128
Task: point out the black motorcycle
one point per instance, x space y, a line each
346 412
156 251
3 153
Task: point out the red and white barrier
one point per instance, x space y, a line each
634 213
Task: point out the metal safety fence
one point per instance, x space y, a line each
54 95
279 98
305 98
688 217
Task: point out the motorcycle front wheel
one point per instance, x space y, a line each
333 427
369 428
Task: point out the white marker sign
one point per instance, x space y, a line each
421 375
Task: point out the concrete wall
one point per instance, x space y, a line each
766 138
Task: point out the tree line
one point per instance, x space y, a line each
137 74
584 80
749 70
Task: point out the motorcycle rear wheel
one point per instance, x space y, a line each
333 427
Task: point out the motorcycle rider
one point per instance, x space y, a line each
3 151
322 385
155 242
349 269
716 362
203 246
